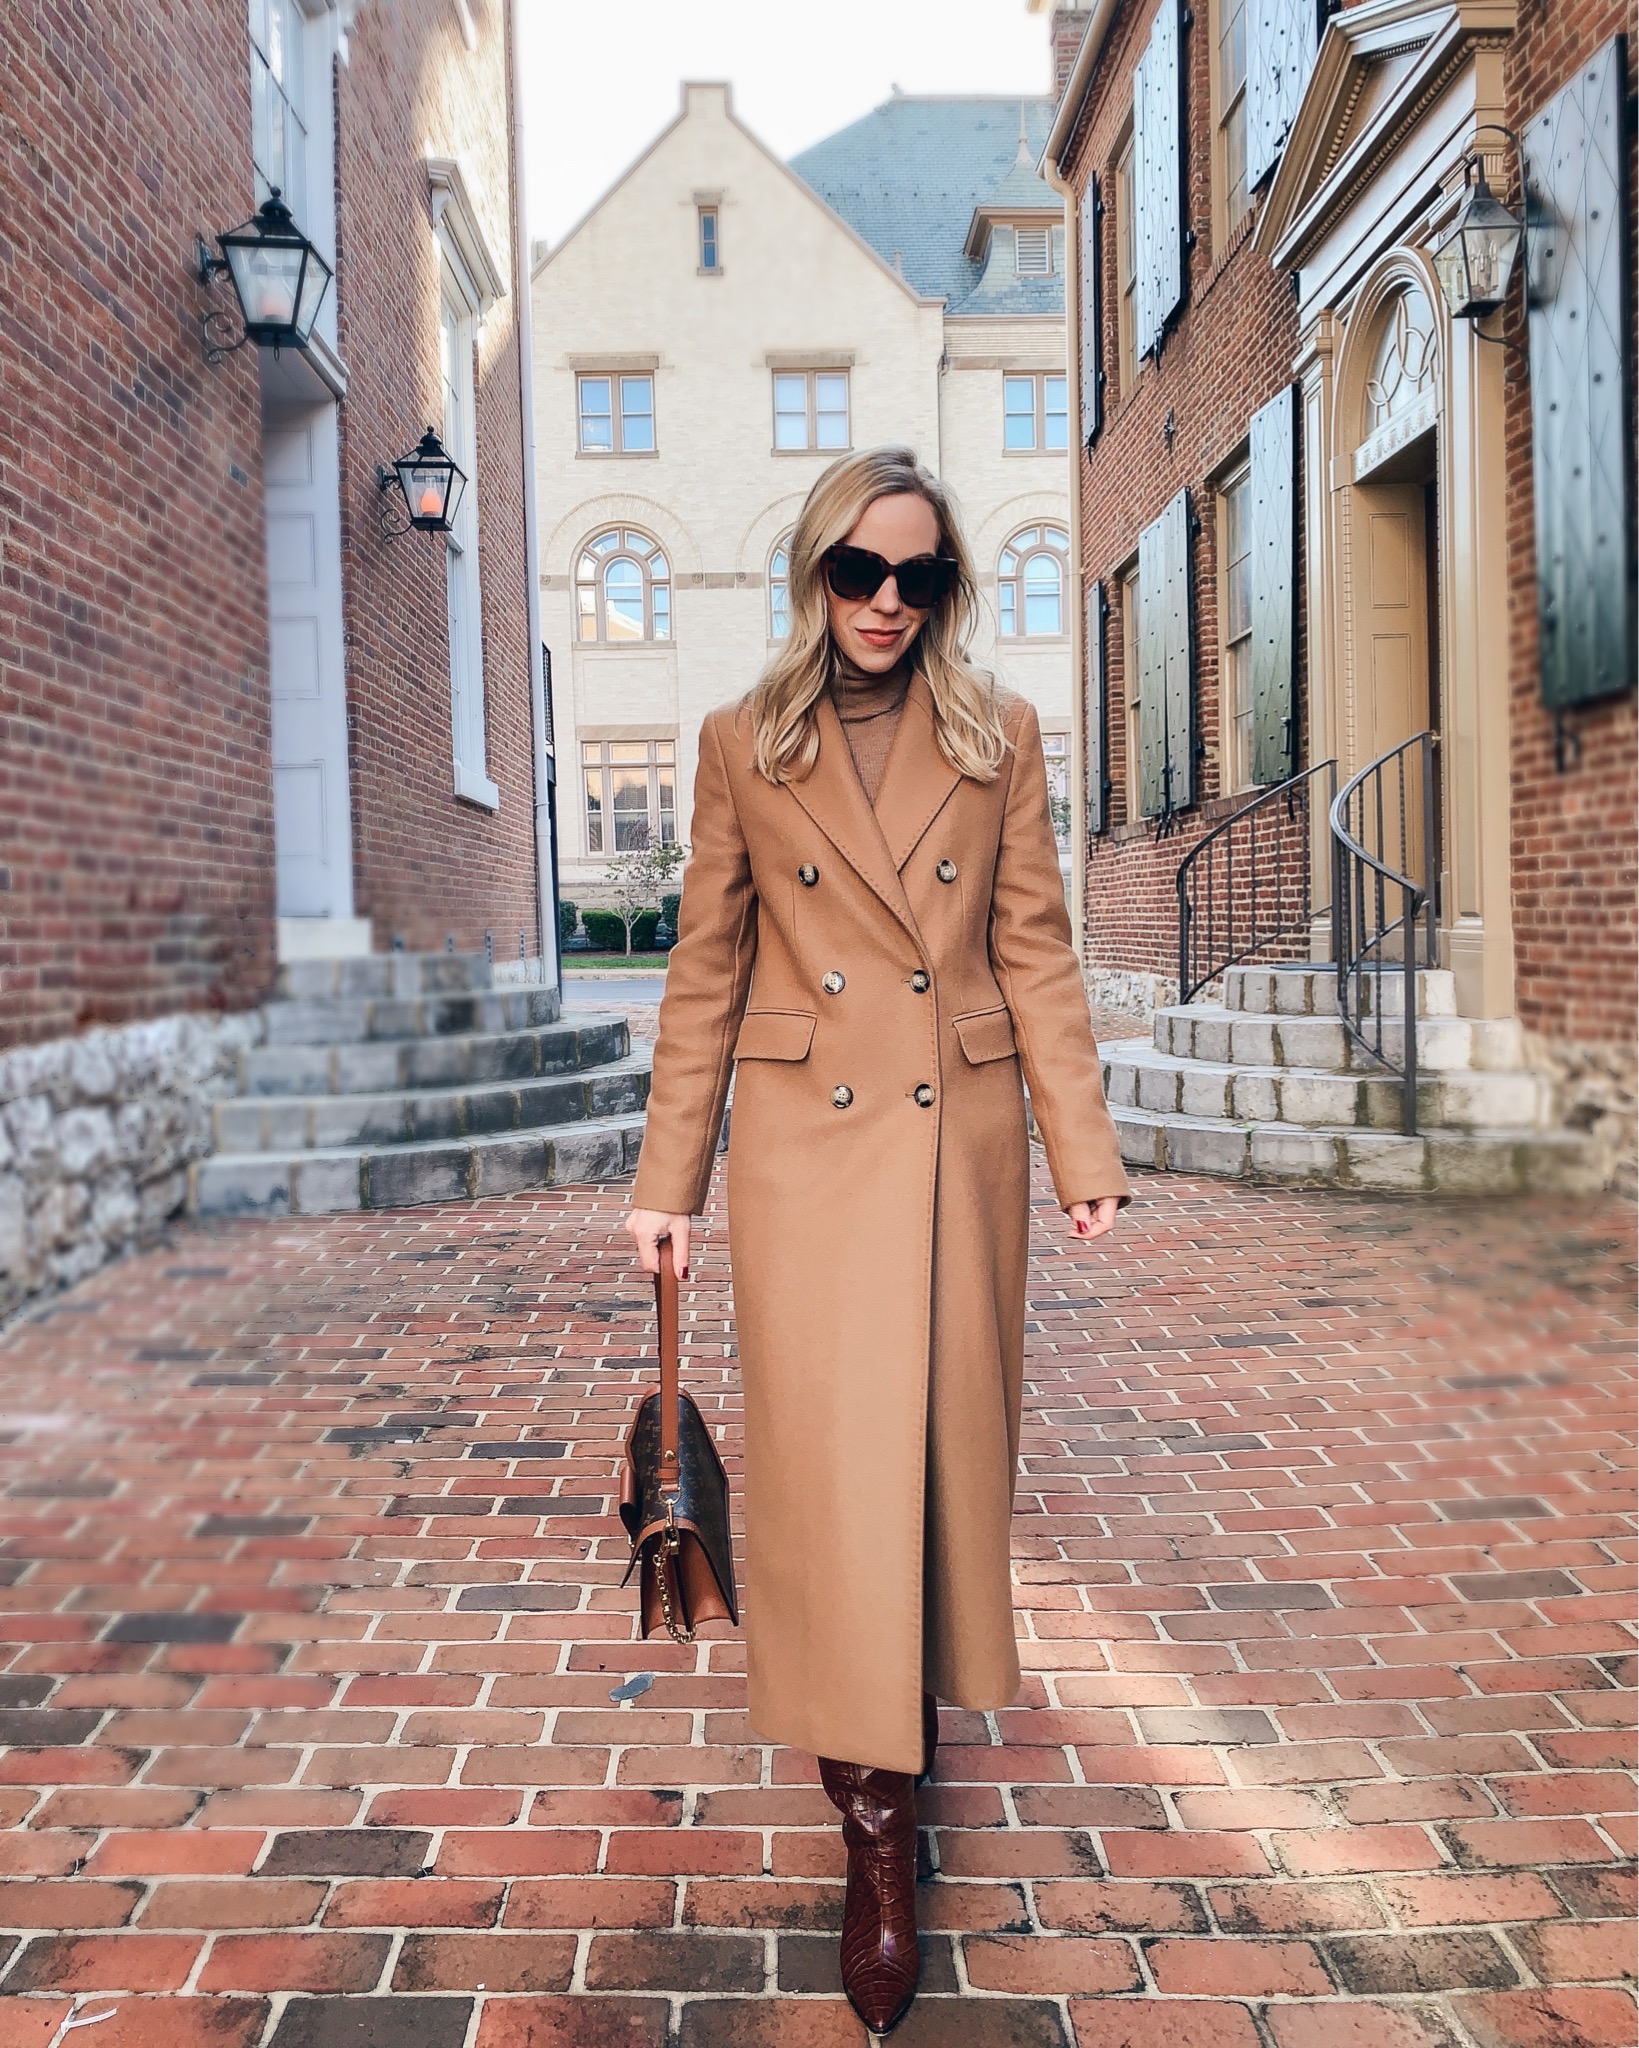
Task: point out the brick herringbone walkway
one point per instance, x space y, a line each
311 1623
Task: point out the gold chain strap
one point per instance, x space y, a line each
669 1548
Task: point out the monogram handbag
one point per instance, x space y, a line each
674 1497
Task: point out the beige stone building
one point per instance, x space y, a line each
716 331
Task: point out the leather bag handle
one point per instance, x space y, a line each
665 1297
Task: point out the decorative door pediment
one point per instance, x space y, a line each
1380 68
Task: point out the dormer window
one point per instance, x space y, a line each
1033 252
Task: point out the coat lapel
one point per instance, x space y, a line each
834 797
918 779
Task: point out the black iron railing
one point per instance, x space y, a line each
1246 885
1386 860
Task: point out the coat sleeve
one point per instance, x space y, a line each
708 977
1034 958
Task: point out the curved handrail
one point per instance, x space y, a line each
1364 882
1339 812
1189 984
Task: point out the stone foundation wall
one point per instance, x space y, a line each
1596 1089
96 1134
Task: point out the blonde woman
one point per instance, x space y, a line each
873 932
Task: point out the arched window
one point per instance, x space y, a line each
779 589
623 589
1030 581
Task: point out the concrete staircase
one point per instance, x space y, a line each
1268 1086
402 1078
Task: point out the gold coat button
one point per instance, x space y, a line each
924 1096
833 984
842 1096
808 874
946 871
921 981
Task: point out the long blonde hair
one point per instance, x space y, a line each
784 705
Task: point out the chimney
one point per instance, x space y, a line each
1066 29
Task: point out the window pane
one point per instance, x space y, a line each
1041 595
790 412
1057 412
594 810
660 601
1009 563
587 600
1232 49
831 393
779 611
1236 197
1009 609
830 412
657 567
708 238
831 430
637 414
623 600
605 543
628 752
1018 412
596 425
1058 538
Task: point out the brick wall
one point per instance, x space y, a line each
425 863
1231 350
136 871
1574 837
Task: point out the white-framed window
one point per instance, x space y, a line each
1132 691
810 410
779 589
616 412
1231 193
623 589
711 245
278 124
1056 747
1126 258
630 789
1235 626
1030 583
1032 252
456 337
1035 411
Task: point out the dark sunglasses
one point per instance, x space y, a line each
855 574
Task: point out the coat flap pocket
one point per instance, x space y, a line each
986 1035
775 1035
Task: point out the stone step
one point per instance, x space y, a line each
385 974
1483 1162
333 1179
286 1123
354 1020
461 1059
1310 990
1216 1033
1137 1076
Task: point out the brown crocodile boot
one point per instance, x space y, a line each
880 1957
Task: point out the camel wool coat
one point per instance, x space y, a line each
875 979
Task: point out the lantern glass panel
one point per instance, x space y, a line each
268 278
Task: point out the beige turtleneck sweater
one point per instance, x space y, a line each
869 707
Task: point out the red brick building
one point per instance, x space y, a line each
1322 513
230 714
244 721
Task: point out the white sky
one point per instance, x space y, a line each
601 77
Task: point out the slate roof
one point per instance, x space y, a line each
908 177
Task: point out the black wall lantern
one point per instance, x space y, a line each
277 275
431 482
1475 260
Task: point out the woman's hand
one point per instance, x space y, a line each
1090 1219
646 1227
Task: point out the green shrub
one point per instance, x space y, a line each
643 931
605 930
568 919
670 907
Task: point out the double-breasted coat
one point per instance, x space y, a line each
875 978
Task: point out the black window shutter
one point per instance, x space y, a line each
1095 755
1158 178
1092 312
1581 424
1272 484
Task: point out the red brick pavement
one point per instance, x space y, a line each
310 1620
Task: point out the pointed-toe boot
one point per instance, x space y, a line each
880 1957
930 1735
